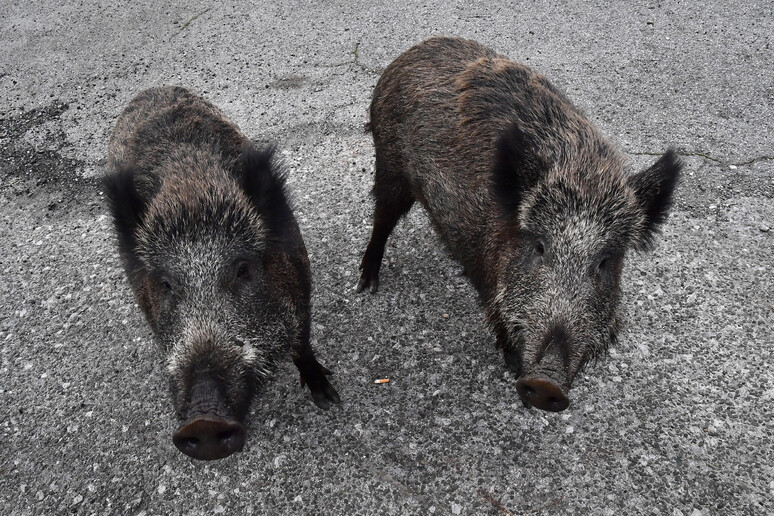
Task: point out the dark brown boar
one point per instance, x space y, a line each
526 194
215 259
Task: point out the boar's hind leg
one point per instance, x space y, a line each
393 199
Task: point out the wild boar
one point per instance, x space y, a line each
215 259
526 194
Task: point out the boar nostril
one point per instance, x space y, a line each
229 436
542 393
209 437
555 404
189 443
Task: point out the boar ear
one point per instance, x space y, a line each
127 207
517 168
263 180
654 188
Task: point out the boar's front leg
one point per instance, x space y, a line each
314 374
393 199
291 284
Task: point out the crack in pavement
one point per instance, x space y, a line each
708 157
186 24
361 65
383 476
495 503
354 61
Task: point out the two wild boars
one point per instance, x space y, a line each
215 259
525 193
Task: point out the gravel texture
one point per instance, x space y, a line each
676 420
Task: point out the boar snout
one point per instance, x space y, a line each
544 371
542 393
209 429
209 437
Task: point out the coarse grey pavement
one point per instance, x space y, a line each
676 420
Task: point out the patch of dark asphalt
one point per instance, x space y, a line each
43 177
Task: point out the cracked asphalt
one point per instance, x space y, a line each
677 420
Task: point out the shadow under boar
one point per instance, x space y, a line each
215 259
525 193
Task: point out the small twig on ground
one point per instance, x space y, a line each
496 504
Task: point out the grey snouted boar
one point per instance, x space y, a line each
215 259
526 194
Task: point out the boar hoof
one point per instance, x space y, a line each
368 279
323 393
365 282
370 275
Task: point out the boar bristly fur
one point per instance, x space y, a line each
526 194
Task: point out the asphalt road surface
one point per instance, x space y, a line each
676 420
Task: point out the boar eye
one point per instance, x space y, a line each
168 288
242 271
534 255
606 267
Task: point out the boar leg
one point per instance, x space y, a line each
510 354
314 374
393 199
